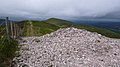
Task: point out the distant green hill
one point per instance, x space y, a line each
38 28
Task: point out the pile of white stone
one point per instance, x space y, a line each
68 47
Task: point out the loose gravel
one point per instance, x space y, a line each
68 47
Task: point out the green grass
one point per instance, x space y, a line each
103 31
7 50
59 22
39 28
50 25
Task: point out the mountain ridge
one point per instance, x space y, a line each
50 25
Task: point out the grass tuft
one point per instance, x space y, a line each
7 52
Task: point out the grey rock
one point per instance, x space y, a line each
69 47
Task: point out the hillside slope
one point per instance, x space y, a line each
44 27
36 28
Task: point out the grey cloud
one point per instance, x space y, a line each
68 9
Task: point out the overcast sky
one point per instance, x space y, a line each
67 9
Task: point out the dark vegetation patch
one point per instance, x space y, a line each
7 48
7 52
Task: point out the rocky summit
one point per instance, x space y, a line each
68 47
